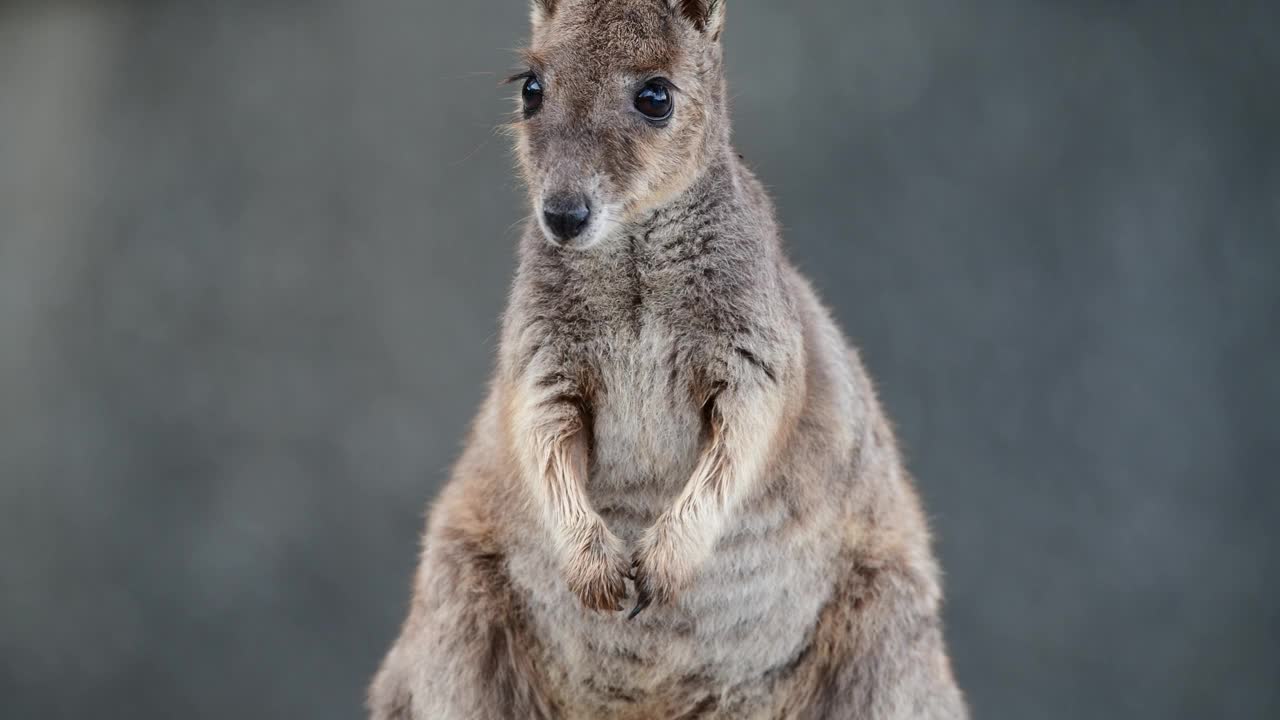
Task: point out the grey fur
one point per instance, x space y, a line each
675 426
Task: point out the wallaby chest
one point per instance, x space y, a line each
639 340
646 428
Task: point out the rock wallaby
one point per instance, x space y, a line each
681 498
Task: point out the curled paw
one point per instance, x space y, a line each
660 567
596 567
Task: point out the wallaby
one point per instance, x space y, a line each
681 498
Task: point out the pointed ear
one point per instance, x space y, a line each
706 15
543 10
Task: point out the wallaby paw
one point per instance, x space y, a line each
661 567
597 567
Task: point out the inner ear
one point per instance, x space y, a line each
706 15
544 8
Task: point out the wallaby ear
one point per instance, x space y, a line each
706 15
543 10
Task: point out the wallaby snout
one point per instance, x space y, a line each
575 206
566 215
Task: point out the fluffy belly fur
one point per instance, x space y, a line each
753 606
719 643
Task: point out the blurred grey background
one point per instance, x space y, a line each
253 255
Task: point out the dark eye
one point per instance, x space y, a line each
654 102
532 95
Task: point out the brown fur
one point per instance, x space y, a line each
675 427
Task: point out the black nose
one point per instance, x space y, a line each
566 215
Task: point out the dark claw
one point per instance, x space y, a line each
642 601
640 605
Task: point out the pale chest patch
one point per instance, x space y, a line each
646 429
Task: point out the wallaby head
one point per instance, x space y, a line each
621 107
